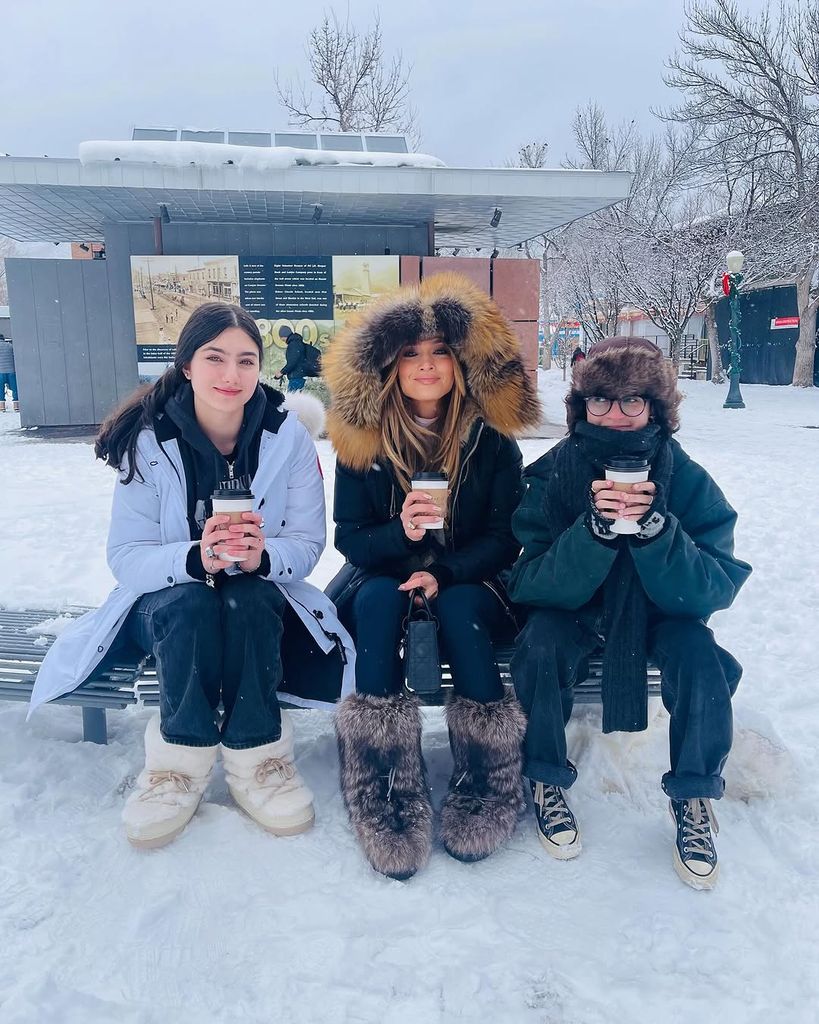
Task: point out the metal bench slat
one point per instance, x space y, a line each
129 677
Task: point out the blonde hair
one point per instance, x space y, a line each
408 446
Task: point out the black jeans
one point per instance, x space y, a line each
215 645
698 681
468 614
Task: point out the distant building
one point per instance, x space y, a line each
254 196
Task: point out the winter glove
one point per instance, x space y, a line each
598 525
652 522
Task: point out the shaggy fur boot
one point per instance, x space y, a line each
486 789
168 789
383 781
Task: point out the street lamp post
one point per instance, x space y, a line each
730 285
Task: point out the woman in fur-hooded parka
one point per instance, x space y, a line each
427 379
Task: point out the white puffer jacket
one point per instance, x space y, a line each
149 541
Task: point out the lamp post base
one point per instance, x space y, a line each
734 397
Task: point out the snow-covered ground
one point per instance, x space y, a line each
230 924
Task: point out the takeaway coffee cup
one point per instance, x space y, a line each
231 498
436 485
623 472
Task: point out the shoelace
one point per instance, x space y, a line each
274 766
698 817
552 807
181 781
390 781
472 795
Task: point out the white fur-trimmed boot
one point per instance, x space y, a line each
264 782
168 789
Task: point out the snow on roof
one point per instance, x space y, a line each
208 154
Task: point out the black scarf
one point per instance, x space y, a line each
579 460
205 466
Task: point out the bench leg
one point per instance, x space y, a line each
94 729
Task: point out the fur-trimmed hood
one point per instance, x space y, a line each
498 387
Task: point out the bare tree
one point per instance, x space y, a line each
359 89
639 251
751 86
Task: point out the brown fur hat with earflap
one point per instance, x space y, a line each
498 386
619 367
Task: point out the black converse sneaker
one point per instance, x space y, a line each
556 826
695 858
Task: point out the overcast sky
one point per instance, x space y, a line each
488 75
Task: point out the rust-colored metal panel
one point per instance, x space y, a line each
476 270
526 331
516 288
410 269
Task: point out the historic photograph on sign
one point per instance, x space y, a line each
166 291
357 280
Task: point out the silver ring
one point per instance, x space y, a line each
412 525
261 524
210 553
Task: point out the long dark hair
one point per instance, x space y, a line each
117 438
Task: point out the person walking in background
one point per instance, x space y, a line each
643 589
8 378
577 356
429 380
295 365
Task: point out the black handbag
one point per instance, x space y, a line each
422 664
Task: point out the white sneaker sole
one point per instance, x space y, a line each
691 878
568 852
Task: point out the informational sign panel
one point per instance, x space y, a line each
312 296
783 323
358 280
167 289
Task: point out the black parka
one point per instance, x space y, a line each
480 542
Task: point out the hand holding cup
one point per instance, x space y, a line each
215 532
623 504
417 511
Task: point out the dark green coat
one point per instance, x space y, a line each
688 570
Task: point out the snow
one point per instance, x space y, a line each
247 158
230 924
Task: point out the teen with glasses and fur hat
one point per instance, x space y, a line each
647 594
427 379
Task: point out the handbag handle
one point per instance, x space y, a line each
416 612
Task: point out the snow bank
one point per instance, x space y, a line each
230 924
249 158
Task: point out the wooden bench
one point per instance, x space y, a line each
129 676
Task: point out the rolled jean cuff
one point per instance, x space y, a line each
550 774
689 787
188 742
249 744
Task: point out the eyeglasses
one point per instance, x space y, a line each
631 405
